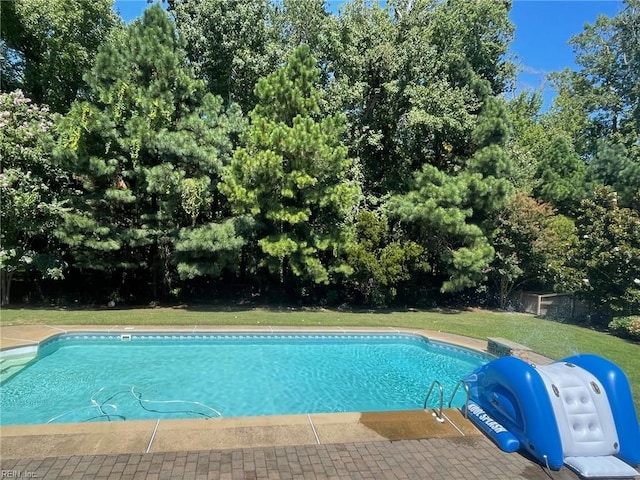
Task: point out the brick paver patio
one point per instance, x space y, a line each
446 459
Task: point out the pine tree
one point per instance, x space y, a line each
451 213
562 173
146 153
293 177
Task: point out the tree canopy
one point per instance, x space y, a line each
374 155
48 45
146 154
30 189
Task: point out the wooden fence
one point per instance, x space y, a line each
554 305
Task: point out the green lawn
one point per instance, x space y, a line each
549 338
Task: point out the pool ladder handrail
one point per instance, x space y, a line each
466 401
438 412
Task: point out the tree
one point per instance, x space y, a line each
600 103
207 249
307 22
562 174
525 119
615 165
294 178
535 249
48 45
31 191
451 130
232 43
558 246
146 154
609 254
590 139
438 210
451 212
609 53
381 262
363 66
549 164
471 37
412 77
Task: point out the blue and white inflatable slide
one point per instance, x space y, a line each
576 412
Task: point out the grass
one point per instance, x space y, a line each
551 339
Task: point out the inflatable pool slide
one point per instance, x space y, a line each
576 412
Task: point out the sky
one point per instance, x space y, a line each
542 32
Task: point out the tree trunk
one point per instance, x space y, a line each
5 286
506 287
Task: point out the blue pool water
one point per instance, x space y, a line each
103 377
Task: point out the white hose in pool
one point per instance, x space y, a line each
142 402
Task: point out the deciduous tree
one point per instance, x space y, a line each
31 188
48 45
535 249
232 44
601 100
610 254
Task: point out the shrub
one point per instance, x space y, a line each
626 327
634 328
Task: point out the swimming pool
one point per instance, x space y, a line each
113 377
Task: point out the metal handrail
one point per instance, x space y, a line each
426 399
466 401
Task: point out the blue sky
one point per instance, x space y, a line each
543 29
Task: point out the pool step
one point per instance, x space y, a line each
9 366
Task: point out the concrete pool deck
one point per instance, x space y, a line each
406 444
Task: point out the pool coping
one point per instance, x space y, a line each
153 436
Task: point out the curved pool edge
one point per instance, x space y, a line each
145 436
20 346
